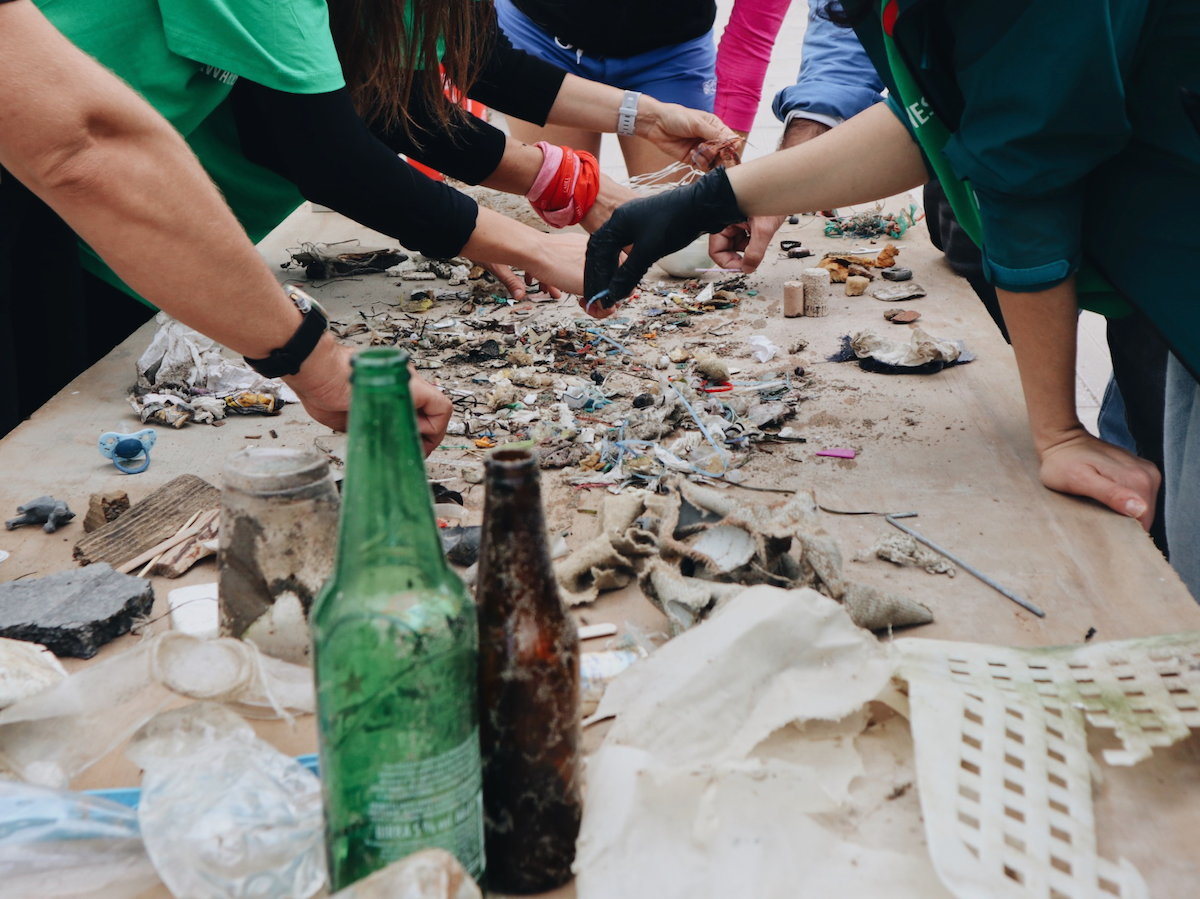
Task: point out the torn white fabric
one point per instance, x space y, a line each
769 657
743 828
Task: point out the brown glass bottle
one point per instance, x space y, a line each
528 690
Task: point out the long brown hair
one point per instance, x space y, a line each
382 43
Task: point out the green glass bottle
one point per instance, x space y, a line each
395 653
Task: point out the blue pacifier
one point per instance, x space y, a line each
124 449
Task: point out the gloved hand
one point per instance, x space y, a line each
655 226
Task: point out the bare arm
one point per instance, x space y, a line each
128 184
868 157
744 246
674 129
1042 326
551 258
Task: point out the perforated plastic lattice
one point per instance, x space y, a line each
1002 763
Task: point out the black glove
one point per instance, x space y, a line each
655 226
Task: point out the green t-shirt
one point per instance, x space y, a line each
184 57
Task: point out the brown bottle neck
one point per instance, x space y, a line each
514 558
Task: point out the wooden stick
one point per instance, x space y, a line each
200 521
191 521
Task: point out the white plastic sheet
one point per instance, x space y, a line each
711 788
53 735
224 814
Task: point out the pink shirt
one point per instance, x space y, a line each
742 59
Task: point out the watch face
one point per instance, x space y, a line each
303 301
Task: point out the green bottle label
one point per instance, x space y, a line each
400 737
432 802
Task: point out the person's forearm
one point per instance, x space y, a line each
513 81
592 106
517 170
742 59
869 157
799 131
143 198
350 170
125 181
1042 326
499 239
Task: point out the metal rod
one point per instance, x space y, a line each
1023 603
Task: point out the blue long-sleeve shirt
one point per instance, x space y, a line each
837 80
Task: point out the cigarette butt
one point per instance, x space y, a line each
793 299
816 291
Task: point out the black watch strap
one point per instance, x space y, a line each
288 358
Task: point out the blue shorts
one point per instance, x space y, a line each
680 73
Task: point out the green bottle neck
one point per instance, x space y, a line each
387 509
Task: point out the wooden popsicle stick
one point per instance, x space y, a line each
199 521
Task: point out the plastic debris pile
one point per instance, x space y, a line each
619 402
184 377
693 547
877 223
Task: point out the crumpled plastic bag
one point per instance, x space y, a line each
719 536
53 735
606 561
762 348
182 361
922 353
224 814
55 844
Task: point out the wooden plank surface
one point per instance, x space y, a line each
149 522
953 447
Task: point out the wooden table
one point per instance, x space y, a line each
953 447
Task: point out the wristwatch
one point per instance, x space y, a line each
288 358
627 114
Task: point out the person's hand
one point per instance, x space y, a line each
1078 463
597 309
433 411
610 197
323 382
560 261
743 246
653 227
678 130
517 285
323 385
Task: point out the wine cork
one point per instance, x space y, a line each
793 299
816 291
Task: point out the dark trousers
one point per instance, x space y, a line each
1139 356
55 320
961 253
